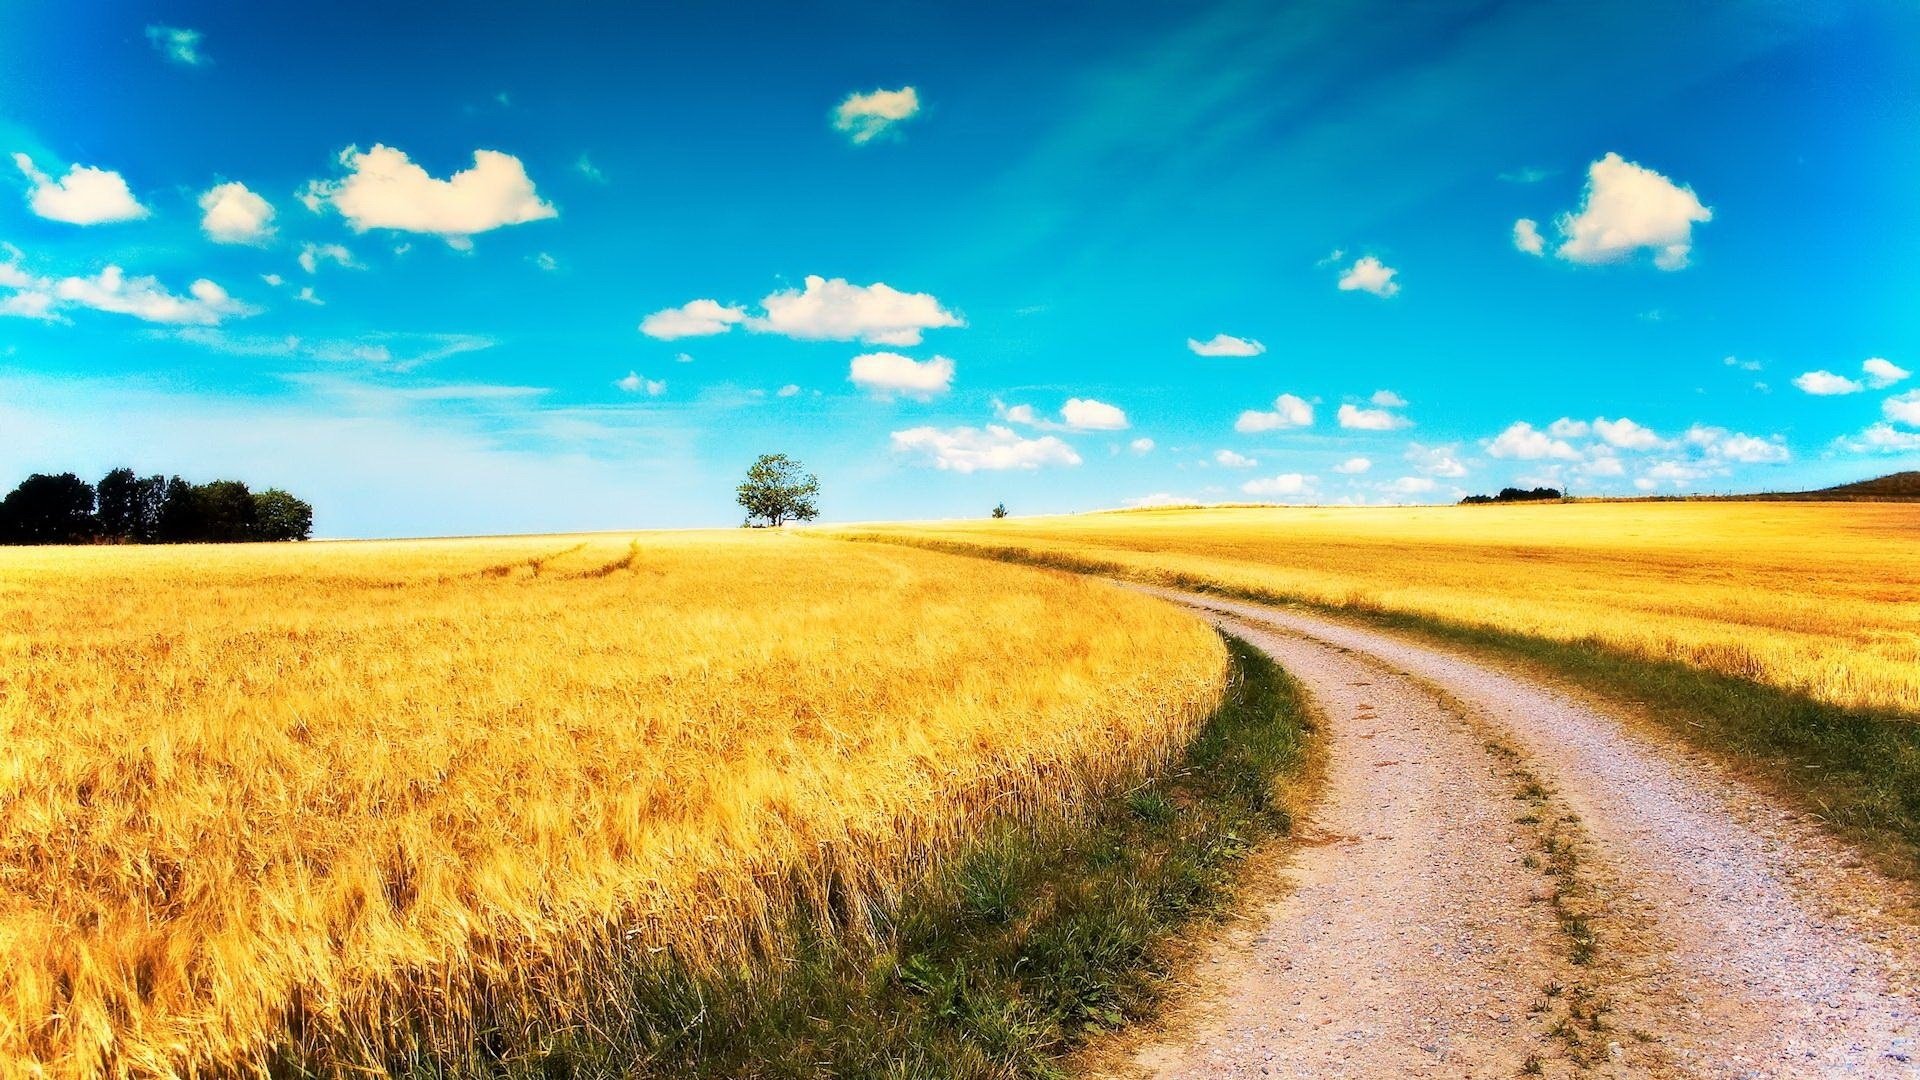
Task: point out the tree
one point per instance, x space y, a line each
48 510
226 511
130 505
776 491
277 515
1000 511
180 517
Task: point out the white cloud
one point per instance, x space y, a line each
1601 462
1521 441
1720 445
235 215
1158 498
865 117
306 295
968 449
1437 460
312 255
385 190
1141 445
1283 484
1369 274
1675 474
835 310
1882 438
1826 383
1353 466
635 383
1225 345
1882 373
1086 414
111 290
1409 485
178 44
695 318
1387 399
788 390
274 280
1904 408
1526 236
1231 460
546 261
85 196
889 374
1626 208
1743 365
1569 428
1625 434
1358 419
1288 412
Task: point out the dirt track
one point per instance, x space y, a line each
1476 826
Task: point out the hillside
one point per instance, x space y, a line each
1900 485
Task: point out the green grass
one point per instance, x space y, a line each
1858 771
1001 963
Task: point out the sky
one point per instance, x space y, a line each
488 267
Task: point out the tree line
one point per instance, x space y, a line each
125 507
1512 494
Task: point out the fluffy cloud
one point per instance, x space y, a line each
1625 434
1225 345
1410 485
968 449
1231 460
1882 373
1369 274
1675 474
1285 484
111 290
1436 460
1142 445
1086 414
695 318
888 374
1626 208
1903 408
836 310
385 190
1353 466
178 44
235 215
312 255
635 383
1522 442
85 196
1356 418
1387 399
1882 438
1826 383
1720 446
1526 236
865 117
1569 428
1288 412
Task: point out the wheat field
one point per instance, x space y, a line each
323 799
1819 598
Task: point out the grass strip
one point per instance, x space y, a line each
1856 770
1000 964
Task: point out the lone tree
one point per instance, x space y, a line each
777 491
1000 511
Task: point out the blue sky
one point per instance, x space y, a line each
543 267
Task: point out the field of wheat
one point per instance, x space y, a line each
1819 598
322 798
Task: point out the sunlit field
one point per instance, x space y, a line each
321 799
1820 598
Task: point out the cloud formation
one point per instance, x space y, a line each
1354 466
383 189
1527 238
1284 484
1288 411
635 383
889 374
695 318
177 44
993 448
1225 345
1523 442
1882 373
1369 274
865 117
84 196
837 310
111 290
232 214
1627 208
1230 460
1355 418
1826 384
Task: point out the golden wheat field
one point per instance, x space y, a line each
309 796
1821 598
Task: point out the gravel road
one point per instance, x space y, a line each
1423 930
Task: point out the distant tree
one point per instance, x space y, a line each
277 515
1513 494
1000 511
48 509
226 511
181 520
130 505
776 491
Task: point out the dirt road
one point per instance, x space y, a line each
1501 879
